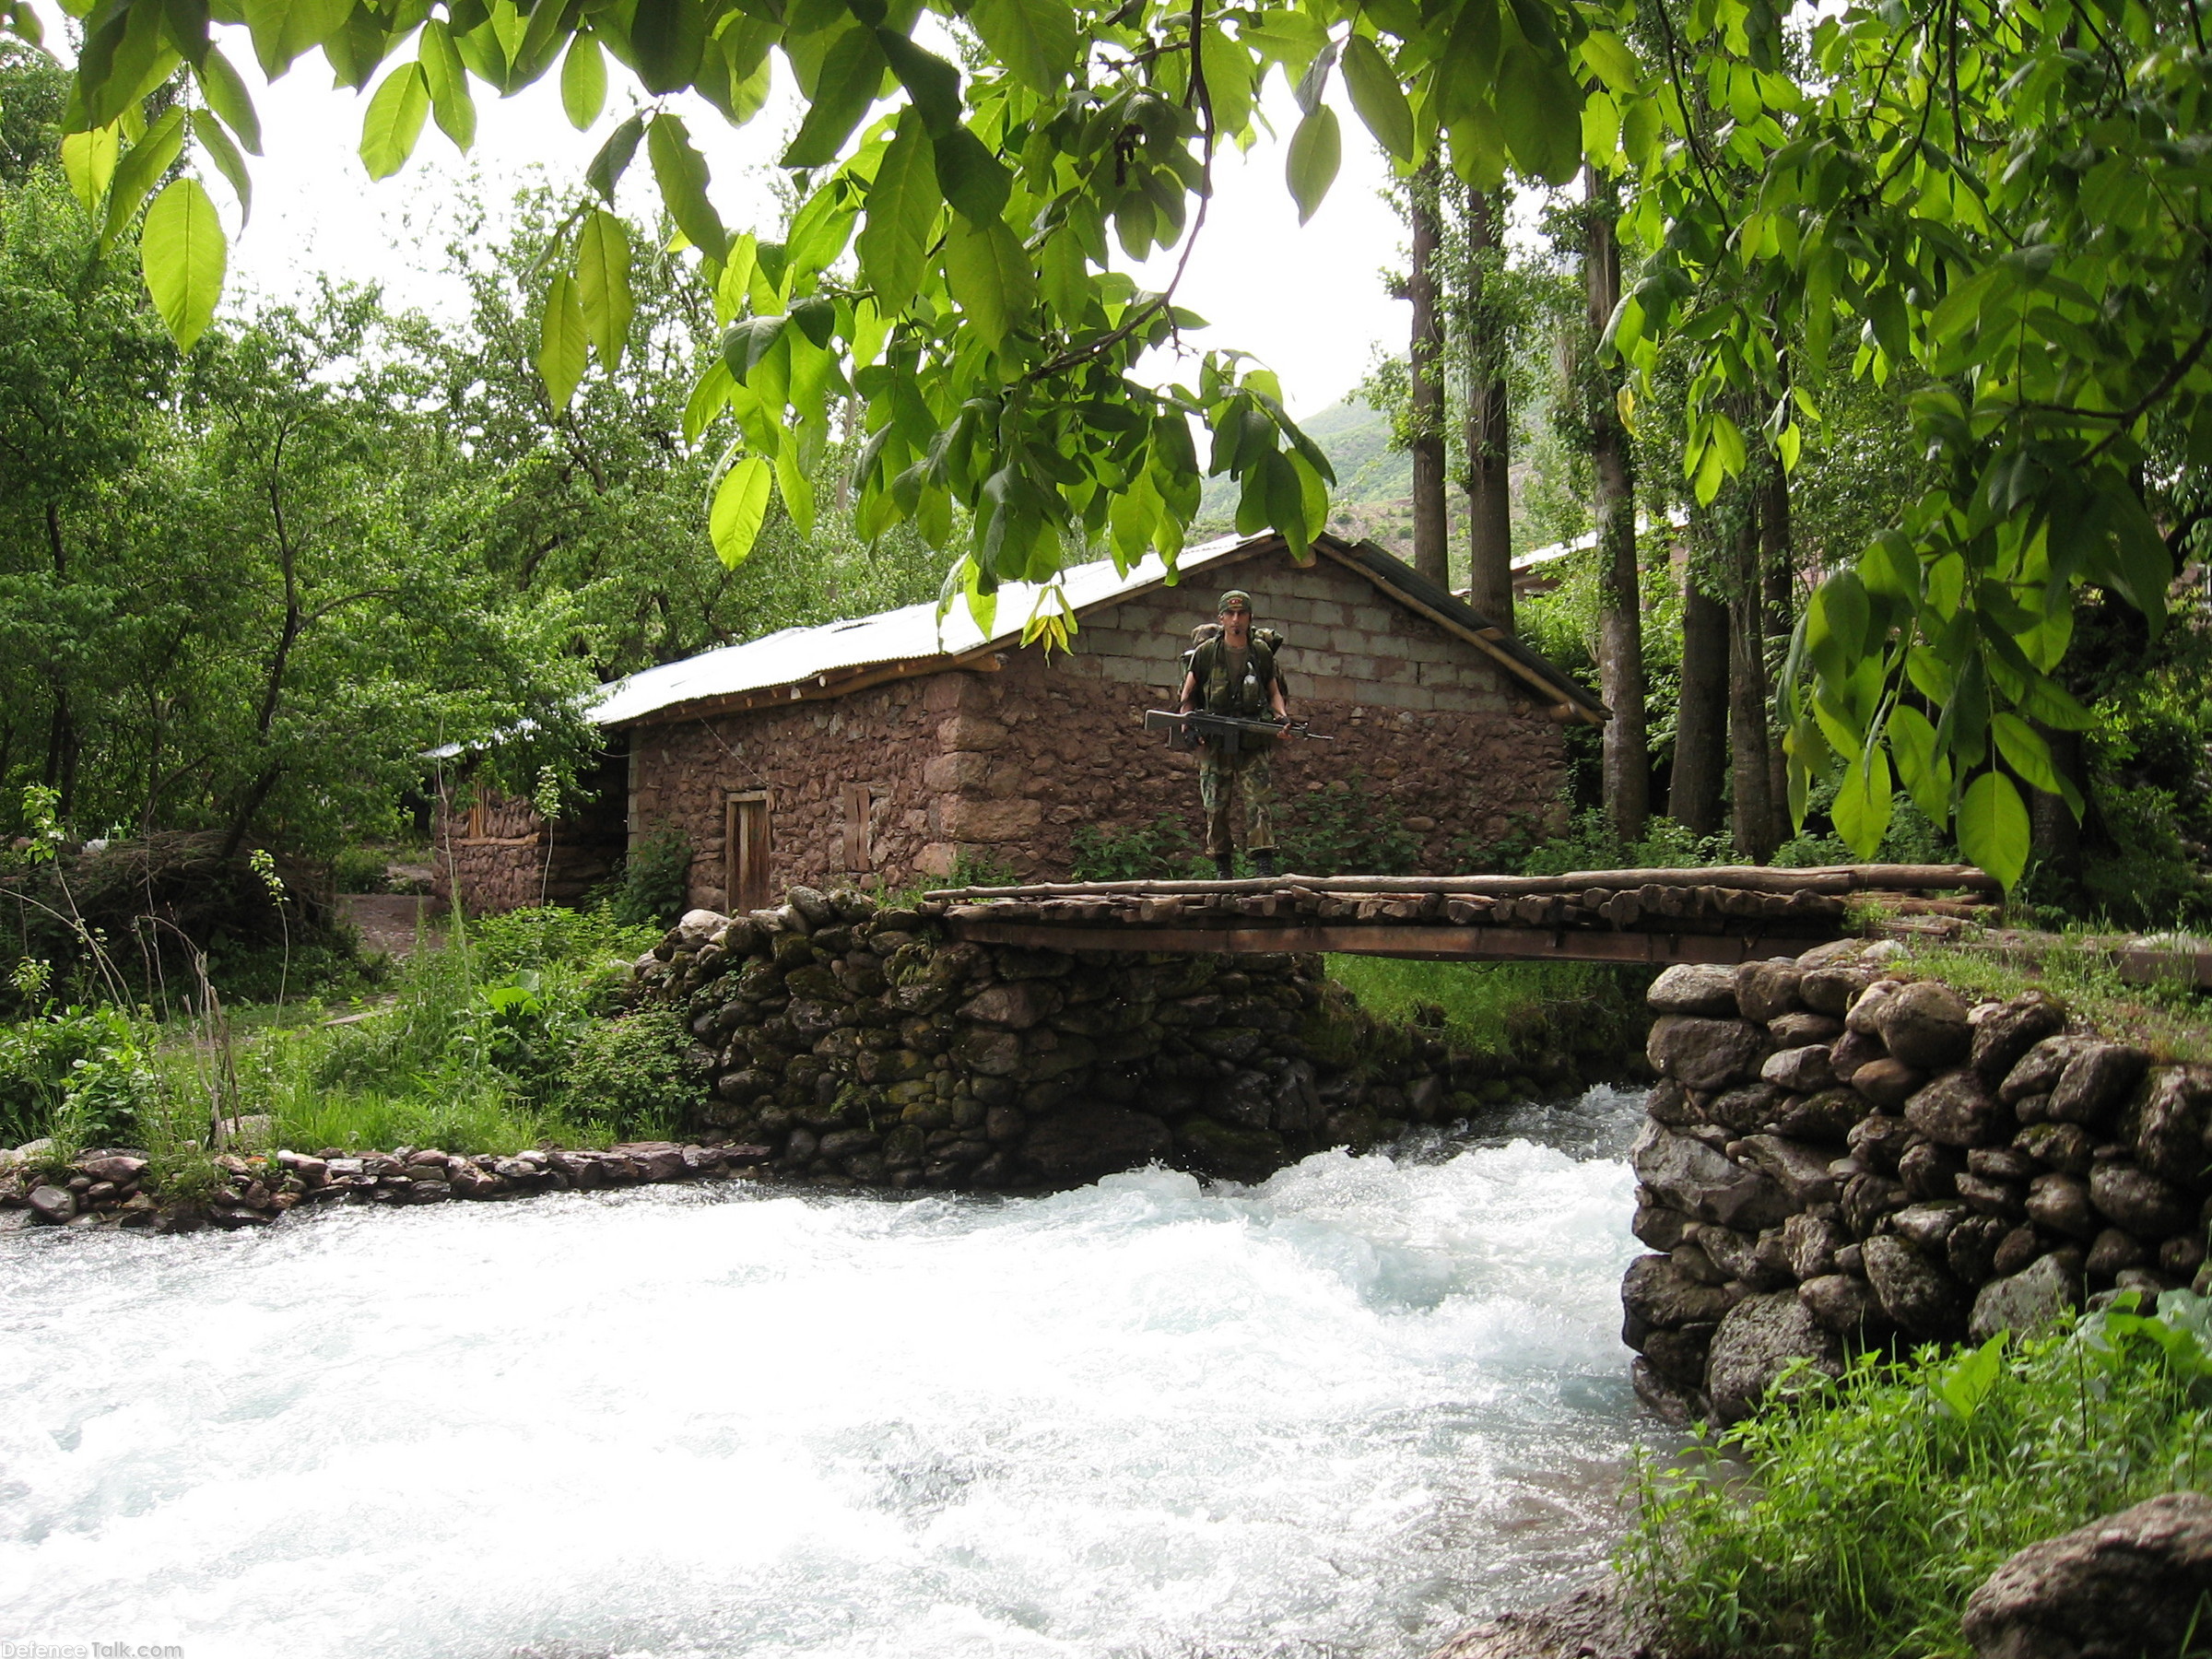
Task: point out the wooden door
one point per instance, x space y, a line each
746 841
859 802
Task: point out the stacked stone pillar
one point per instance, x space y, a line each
1839 1155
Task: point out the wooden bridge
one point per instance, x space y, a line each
1731 914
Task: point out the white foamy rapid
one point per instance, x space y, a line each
1337 1413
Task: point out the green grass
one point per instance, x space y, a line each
2173 1021
504 1037
1875 1508
1516 1012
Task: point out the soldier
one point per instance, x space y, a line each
1232 673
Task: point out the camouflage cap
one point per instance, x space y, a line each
1235 599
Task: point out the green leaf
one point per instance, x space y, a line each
1965 1382
141 167
564 342
1926 773
740 508
796 489
226 95
123 53
1316 148
448 81
851 76
668 38
2026 752
88 161
1541 110
682 173
602 282
988 275
929 80
750 341
284 29
1377 96
613 160
902 211
1229 78
708 399
1035 39
1993 826
1609 58
182 253
582 82
973 179
1864 801
396 112
228 161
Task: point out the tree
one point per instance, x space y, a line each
237 590
1694 795
2005 200
1485 342
1613 506
980 327
599 498
1425 378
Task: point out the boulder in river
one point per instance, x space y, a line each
2132 1584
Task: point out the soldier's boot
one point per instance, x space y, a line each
1225 867
1263 864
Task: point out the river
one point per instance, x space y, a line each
1341 1413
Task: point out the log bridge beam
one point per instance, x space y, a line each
1644 916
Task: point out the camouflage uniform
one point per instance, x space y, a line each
1223 778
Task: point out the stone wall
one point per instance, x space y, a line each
1836 1157
1006 764
492 848
856 1047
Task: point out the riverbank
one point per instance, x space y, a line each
110 1189
1855 1162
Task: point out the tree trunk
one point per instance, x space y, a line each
1490 439
1693 796
1425 374
2053 835
1627 766
1778 580
1751 791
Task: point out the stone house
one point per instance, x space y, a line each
891 748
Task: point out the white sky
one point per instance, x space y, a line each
1306 301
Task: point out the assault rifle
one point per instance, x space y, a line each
1232 733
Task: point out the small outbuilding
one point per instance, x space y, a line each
898 746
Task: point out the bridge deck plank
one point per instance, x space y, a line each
1424 942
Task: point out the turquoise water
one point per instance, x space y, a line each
1340 1413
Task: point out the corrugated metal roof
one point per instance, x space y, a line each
798 655
816 658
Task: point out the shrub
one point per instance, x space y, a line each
85 1072
1163 847
656 879
1344 828
1883 1498
589 939
634 1076
360 870
979 867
